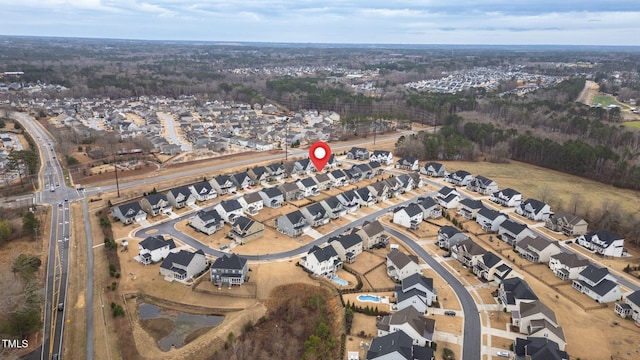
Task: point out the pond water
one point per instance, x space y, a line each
185 323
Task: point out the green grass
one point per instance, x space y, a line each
606 100
632 124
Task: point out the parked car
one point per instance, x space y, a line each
502 353
450 313
446 255
568 242
60 306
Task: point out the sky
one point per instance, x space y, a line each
491 22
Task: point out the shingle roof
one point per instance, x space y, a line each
229 262
242 223
253 197
323 254
603 235
399 259
134 206
508 192
594 274
517 288
471 203
634 298
272 192
184 190
181 257
295 216
155 198
570 259
513 226
418 279
156 242
448 230
230 205
490 259
373 228
397 341
490 213
349 240
427 202
209 215
537 307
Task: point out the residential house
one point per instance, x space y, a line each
155 204
360 172
382 156
308 187
409 216
291 191
629 308
433 169
468 208
602 242
489 219
395 186
534 209
271 197
223 184
417 180
207 221
347 247
567 265
430 208
154 248
251 203
528 311
302 167
514 291
415 291
339 178
349 200
408 163
259 175
376 168
538 348
365 197
229 210
180 197
567 224
372 233
512 232
491 267
397 346
539 325
506 197
448 197
323 181
244 230
380 190
203 191
409 320
229 269
537 249
459 178
401 265
598 284
334 207
276 172
483 185
404 182
293 224
357 153
242 180
467 252
316 215
332 163
129 213
449 236
322 261
183 265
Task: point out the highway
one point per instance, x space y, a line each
54 193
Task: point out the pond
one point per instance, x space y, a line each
173 327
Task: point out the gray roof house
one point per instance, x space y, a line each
459 178
448 197
154 248
449 236
603 242
534 209
629 308
183 265
409 216
372 233
223 184
251 203
430 208
468 208
408 163
324 181
322 261
229 270
349 200
489 219
271 197
537 249
207 221
513 232
129 213
567 224
514 291
291 191
415 291
334 207
538 348
339 178
357 153
293 224
491 267
401 265
347 246
242 180
397 345
365 197
483 185
259 174
382 156
155 204
316 215
409 320
308 187
598 284
244 230
433 169
180 197
229 209
567 265
506 197
203 191
467 252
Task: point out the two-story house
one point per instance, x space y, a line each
155 204
339 178
513 232
242 180
323 181
129 213
598 284
365 197
229 210
491 267
514 291
154 249
415 291
448 197
433 169
207 221
244 230
430 208
229 269
567 224
272 197
183 265
251 203
449 236
459 178
567 265
401 265
349 200
259 175
482 185
203 191
603 242
380 190
316 215
372 233
293 224
409 216
467 252
397 346
506 197
180 197
534 209
468 208
334 207
411 322
382 156
292 192
347 247
357 153
537 249
408 163
489 219
322 261
630 308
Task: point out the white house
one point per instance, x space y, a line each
401 265
468 208
489 219
514 291
602 242
449 236
537 249
180 197
409 216
459 178
448 197
567 265
408 163
154 249
630 308
534 209
129 213
513 232
347 247
506 197
382 156
415 291
483 185
409 320
433 169
183 265
207 221
203 191
322 261
229 210
598 284
251 203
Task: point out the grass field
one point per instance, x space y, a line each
533 181
604 100
632 124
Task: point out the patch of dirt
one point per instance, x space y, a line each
158 328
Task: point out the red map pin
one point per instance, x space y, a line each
319 153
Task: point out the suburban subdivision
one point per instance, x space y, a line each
196 225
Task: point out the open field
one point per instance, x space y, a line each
605 100
632 124
532 181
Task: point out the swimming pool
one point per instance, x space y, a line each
336 279
369 298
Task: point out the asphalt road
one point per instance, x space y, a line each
52 192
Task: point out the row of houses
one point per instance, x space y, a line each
412 215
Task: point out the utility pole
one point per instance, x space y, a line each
115 166
286 140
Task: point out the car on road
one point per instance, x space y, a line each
224 247
60 306
60 204
503 353
568 242
450 313
446 255
66 200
